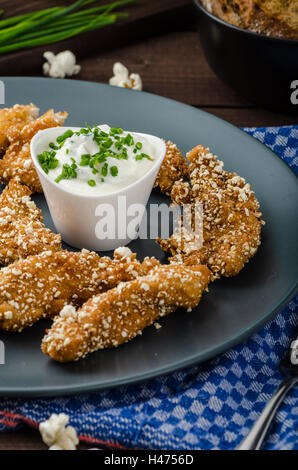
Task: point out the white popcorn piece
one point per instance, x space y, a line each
123 252
57 435
61 65
123 79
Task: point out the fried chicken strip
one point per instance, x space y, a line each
231 217
18 114
174 167
39 286
17 161
117 316
22 232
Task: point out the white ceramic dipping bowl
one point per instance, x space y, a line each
74 215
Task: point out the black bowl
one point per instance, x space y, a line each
263 69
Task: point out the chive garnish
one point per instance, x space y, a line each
74 165
68 172
85 159
104 170
114 170
110 145
118 145
128 140
85 131
116 130
63 137
48 161
143 155
53 146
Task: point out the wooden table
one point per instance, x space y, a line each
171 64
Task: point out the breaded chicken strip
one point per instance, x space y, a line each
117 316
39 286
174 167
22 232
18 114
231 217
17 161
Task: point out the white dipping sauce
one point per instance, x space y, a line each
94 180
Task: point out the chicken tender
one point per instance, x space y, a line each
181 193
231 217
39 286
22 232
117 316
17 161
174 167
9 117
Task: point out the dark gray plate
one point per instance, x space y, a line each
233 309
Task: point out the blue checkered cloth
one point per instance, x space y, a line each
210 406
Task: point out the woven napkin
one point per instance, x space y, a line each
210 406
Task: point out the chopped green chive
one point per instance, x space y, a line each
68 172
128 140
48 161
104 170
139 145
103 134
114 170
85 131
116 130
85 159
64 136
92 183
53 146
74 165
143 155
53 164
107 143
118 145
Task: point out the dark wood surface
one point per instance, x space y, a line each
171 64
145 19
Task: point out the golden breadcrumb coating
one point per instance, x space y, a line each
173 168
17 161
117 316
181 193
231 217
18 114
22 232
39 286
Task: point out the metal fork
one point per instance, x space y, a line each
289 369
